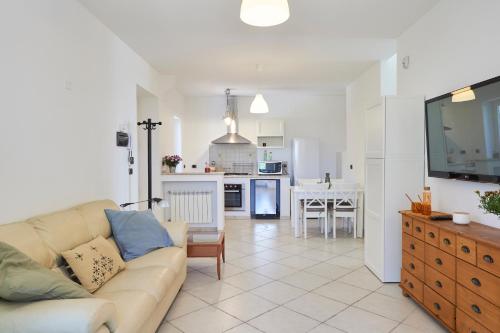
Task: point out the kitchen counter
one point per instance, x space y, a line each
194 174
257 176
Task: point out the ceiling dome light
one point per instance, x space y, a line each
259 105
264 13
463 95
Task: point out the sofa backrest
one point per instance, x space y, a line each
45 237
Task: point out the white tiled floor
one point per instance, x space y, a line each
273 282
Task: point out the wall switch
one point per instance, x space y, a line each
68 85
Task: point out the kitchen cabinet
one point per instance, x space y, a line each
270 133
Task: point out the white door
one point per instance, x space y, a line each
374 216
375 131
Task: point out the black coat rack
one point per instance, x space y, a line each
149 126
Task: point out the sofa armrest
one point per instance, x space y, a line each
178 232
83 315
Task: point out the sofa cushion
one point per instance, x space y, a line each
61 231
23 237
95 218
94 263
133 307
137 233
152 280
170 257
24 280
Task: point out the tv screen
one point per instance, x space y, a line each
463 133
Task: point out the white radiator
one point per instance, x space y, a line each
191 207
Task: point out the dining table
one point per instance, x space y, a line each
330 192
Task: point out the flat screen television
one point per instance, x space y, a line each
463 133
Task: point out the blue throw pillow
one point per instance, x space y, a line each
137 233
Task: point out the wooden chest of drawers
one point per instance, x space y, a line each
453 271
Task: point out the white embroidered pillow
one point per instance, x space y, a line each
94 263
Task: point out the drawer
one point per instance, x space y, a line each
478 309
447 241
440 283
440 307
466 249
412 285
432 235
466 324
488 258
419 229
413 246
414 266
440 261
407 225
480 282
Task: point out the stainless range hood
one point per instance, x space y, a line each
232 136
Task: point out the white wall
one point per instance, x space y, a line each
321 117
362 94
454 45
67 85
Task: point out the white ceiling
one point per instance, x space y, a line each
324 46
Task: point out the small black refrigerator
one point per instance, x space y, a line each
265 198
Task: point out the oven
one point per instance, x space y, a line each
234 196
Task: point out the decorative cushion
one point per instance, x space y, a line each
137 233
24 280
94 263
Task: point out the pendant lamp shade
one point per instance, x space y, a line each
259 105
264 13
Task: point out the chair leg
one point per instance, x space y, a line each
354 224
334 225
304 223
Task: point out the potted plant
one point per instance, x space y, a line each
489 201
171 161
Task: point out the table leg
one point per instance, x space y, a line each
218 264
224 250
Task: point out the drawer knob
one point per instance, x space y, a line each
446 241
476 308
431 235
437 306
412 246
412 266
439 284
407 224
476 282
488 259
438 261
418 229
465 249
410 285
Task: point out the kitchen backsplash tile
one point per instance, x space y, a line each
234 158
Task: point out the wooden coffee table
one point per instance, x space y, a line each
207 244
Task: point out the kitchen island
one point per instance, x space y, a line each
196 198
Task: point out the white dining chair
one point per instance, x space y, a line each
345 205
315 206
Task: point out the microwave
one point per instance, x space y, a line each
270 168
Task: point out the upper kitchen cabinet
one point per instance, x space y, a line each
270 133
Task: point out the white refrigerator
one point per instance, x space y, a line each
394 151
305 159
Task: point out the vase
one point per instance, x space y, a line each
171 169
491 220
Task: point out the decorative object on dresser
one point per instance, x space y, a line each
490 202
452 271
172 161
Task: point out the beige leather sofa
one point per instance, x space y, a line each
135 300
